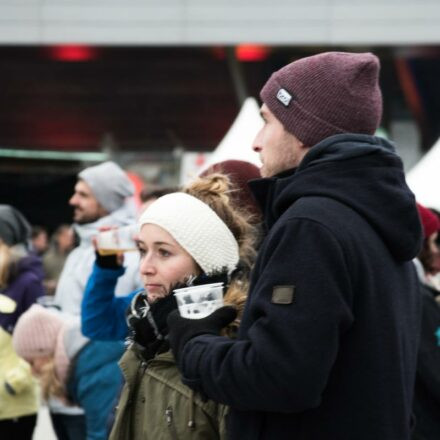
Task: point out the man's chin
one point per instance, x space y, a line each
265 172
82 220
78 219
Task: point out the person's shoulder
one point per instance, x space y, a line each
314 207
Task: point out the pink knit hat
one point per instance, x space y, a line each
36 332
326 94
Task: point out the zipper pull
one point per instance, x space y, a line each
169 416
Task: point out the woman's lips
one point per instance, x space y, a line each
154 287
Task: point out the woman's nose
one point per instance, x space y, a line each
147 266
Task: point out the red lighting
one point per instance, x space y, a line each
219 53
72 53
251 52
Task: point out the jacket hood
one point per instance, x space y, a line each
121 217
360 171
29 263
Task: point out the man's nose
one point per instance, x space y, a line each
72 200
256 148
256 145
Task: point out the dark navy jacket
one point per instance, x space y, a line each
327 348
427 389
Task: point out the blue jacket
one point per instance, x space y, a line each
327 346
103 314
94 383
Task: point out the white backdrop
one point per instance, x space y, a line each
237 143
424 178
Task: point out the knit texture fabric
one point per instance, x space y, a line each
36 333
430 222
326 94
197 228
109 184
14 228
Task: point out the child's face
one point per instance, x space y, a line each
37 365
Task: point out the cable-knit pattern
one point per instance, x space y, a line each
197 228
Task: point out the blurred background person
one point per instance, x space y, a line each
149 194
100 199
62 242
239 173
21 286
39 240
426 405
70 367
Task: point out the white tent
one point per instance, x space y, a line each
424 178
237 143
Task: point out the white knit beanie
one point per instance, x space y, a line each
109 184
36 332
197 228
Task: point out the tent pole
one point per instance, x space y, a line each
237 75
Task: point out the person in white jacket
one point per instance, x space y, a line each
100 199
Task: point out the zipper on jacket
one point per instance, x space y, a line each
191 422
169 420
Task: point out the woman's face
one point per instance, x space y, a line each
163 261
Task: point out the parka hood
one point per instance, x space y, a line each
360 171
27 263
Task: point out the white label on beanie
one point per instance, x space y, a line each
284 96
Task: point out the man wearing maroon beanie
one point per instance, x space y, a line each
327 347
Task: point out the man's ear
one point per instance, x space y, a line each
102 212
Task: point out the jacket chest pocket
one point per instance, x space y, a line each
169 418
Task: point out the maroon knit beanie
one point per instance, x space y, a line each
430 221
239 172
326 94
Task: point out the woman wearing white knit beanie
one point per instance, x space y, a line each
191 237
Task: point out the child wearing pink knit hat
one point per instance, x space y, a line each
71 367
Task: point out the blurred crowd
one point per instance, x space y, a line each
329 322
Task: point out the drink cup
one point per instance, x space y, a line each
197 302
117 240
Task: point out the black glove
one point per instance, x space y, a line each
107 261
159 311
181 330
149 322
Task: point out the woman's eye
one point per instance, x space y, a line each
141 252
164 253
